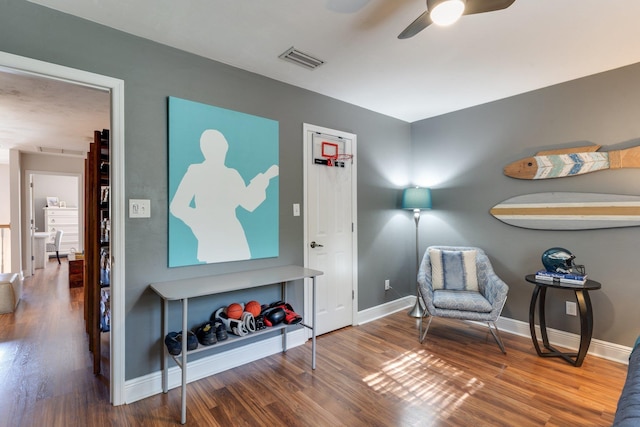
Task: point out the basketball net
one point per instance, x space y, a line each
339 167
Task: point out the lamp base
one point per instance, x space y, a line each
417 310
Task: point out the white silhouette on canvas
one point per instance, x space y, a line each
207 197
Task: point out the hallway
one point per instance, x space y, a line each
45 365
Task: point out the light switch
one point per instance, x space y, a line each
296 209
139 208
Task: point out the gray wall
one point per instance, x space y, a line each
462 155
153 72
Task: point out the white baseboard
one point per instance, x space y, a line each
606 350
385 309
151 384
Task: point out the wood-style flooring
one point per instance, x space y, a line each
376 374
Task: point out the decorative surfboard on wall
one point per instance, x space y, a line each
569 211
571 162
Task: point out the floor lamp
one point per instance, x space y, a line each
415 199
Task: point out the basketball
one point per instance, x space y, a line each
253 307
234 311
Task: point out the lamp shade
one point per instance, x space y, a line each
416 198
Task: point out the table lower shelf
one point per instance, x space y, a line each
234 339
183 290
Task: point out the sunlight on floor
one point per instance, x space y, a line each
420 377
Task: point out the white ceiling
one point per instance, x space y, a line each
485 57
44 115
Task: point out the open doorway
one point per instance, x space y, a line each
55 206
114 89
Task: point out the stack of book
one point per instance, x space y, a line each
571 278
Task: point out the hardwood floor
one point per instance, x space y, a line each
376 374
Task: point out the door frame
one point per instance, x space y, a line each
116 89
29 175
307 157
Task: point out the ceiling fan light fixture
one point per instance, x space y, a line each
446 12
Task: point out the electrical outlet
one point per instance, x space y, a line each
571 308
387 285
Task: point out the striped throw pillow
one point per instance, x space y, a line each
453 270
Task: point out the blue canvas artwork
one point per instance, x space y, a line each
223 185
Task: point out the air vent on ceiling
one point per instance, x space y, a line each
300 58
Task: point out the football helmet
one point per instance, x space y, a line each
560 260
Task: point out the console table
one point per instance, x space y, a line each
185 289
584 308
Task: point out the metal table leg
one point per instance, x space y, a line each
532 320
283 297
313 325
586 324
165 364
185 339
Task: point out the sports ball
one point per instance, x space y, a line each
234 311
253 307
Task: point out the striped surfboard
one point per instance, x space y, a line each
569 211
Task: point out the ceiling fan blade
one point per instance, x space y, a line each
481 6
422 22
471 7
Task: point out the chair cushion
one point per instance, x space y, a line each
461 300
453 270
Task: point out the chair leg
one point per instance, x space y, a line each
58 256
423 335
496 335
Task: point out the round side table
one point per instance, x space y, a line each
584 308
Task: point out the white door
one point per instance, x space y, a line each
330 225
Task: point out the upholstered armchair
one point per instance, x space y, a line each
458 282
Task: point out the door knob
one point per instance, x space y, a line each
316 245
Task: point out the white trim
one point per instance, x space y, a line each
306 129
151 384
116 88
382 310
117 242
606 350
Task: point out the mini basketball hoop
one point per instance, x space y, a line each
330 154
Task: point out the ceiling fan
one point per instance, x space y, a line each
446 12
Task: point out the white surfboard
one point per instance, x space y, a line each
569 211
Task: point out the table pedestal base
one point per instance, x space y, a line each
586 326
